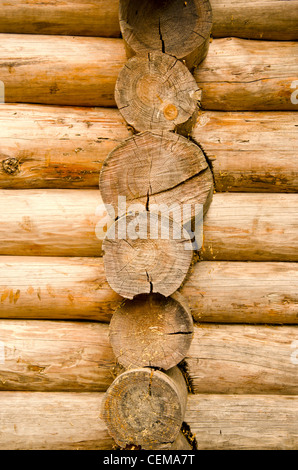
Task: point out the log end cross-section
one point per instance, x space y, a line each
151 330
145 407
155 91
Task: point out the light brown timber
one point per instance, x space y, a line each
151 330
237 227
241 75
145 407
63 356
76 288
256 19
154 27
237 74
65 147
69 420
250 151
235 422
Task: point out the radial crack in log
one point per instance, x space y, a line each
156 258
150 420
151 330
163 172
155 91
182 29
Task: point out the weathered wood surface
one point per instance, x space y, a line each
250 151
236 75
64 147
52 421
151 331
258 19
63 356
244 359
52 222
251 227
56 147
61 70
248 75
155 91
231 422
145 407
48 355
240 227
76 288
69 420
235 292
181 29
156 170
67 17
146 253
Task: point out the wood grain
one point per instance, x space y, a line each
250 151
246 422
257 19
65 70
71 420
65 147
241 75
236 75
52 421
237 227
243 359
64 356
56 147
76 288
56 356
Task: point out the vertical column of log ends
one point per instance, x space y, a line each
148 251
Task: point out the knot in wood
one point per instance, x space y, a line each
10 165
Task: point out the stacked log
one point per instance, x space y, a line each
236 75
78 141
258 19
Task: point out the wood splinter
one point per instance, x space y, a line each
151 330
145 407
155 91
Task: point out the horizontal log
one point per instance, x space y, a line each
238 226
52 421
56 147
256 19
69 420
251 227
61 70
231 422
64 147
250 151
235 292
47 355
236 75
52 222
259 19
244 359
239 75
74 356
76 288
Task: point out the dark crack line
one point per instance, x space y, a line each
163 49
